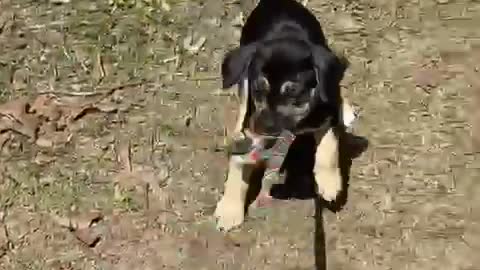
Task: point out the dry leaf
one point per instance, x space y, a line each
80 222
88 237
46 118
4 138
46 106
42 159
49 140
44 142
14 116
81 226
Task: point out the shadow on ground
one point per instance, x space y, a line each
300 185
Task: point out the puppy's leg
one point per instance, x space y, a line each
327 171
243 107
230 209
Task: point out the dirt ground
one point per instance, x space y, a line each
114 159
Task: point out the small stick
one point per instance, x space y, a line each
146 198
105 93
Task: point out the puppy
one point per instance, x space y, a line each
287 78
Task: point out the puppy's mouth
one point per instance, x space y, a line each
272 123
267 124
256 132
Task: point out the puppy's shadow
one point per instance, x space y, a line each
300 182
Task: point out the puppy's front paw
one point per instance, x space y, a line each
229 214
329 183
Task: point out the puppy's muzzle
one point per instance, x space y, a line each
268 123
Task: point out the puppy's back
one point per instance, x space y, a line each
271 17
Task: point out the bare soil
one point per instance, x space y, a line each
133 180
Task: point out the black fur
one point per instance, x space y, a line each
284 55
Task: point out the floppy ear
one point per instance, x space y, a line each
324 61
235 64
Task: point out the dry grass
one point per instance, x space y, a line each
412 193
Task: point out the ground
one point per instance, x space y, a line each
126 94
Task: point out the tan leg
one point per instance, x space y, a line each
242 113
230 209
327 170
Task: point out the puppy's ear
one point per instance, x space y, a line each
235 64
324 62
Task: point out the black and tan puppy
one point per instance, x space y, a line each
288 78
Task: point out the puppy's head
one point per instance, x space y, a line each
288 79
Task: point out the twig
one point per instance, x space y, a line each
147 200
103 93
205 78
74 94
221 92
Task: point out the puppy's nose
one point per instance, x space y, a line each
288 88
